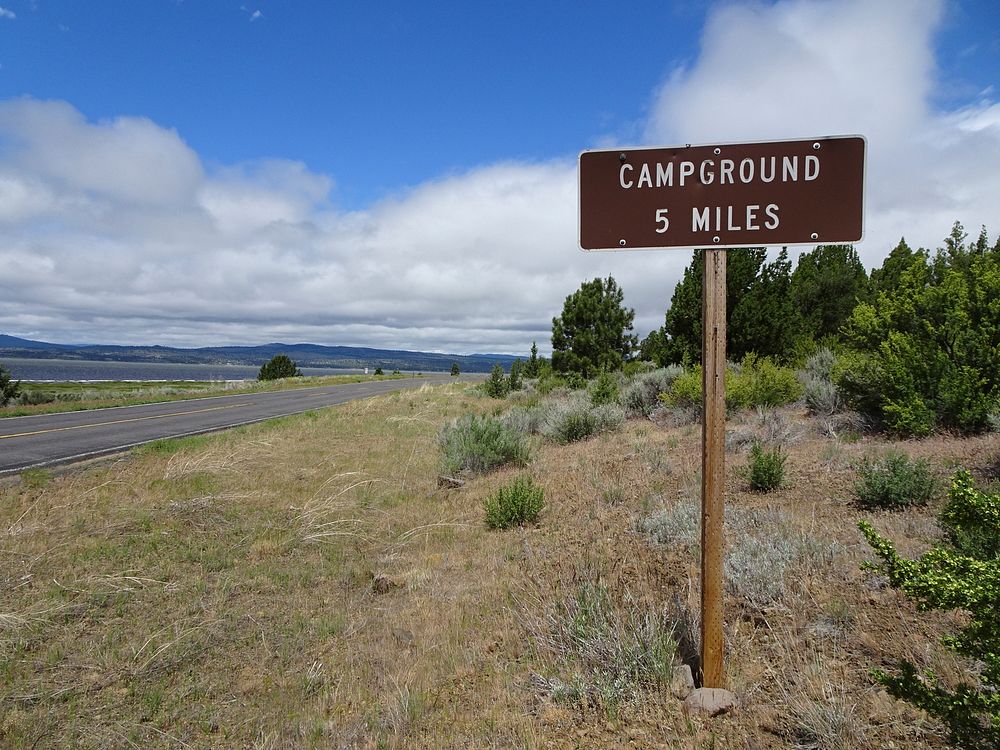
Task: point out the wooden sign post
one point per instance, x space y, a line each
713 466
769 193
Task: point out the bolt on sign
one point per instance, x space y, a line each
737 195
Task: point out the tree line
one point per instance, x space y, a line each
918 339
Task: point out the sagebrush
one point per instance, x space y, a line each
477 444
894 481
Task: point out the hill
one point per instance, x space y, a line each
305 355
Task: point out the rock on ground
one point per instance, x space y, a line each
710 702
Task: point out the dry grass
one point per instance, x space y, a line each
306 583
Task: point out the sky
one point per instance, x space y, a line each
403 175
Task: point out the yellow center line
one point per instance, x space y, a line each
122 421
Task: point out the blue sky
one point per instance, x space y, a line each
403 174
381 96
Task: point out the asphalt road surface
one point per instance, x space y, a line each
48 439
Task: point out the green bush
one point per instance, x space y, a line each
755 382
574 426
927 351
514 504
478 444
685 390
759 382
962 574
604 390
894 481
279 366
765 469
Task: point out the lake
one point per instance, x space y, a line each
36 370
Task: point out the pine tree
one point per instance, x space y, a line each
8 389
825 287
532 366
514 381
593 332
280 366
496 385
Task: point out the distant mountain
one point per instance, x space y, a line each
305 355
13 342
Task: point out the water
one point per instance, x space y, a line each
37 370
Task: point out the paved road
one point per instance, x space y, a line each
47 439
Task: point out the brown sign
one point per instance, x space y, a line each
738 195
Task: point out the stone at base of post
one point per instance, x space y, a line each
710 702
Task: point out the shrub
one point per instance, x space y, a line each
927 353
514 504
894 481
572 419
640 396
549 382
685 389
604 390
820 364
455 370
821 396
757 567
496 385
477 444
378 371
32 397
763 426
763 548
765 468
8 389
526 420
571 425
608 417
678 524
759 382
279 366
820 393
961 574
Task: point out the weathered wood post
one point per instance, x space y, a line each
713 462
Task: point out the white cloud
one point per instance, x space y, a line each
256 15
801 68
128 160
115 231
4 13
